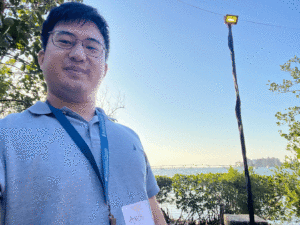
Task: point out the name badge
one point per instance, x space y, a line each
138 214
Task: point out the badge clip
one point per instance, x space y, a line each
112 220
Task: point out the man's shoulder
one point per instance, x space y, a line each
117 129
115 126
13 119
25 117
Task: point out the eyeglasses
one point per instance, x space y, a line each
66 40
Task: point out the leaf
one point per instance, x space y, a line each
9 37
4 43
9 21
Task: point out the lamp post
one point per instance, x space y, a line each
232 20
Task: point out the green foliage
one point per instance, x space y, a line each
288 185
165 185
21 79
201 195
287 84
287 176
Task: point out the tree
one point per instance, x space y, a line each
201 195
110 107
21 79
288 174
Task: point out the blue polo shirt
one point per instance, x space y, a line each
45 179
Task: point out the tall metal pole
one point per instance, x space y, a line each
240 125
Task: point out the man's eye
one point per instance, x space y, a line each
65 41
89 47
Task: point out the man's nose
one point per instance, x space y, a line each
77 51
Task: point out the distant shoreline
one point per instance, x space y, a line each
191 167
255 163
207 167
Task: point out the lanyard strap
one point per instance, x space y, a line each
104 152
85 148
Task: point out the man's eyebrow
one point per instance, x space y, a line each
90 39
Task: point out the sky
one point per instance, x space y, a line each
172 63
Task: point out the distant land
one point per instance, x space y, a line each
264 162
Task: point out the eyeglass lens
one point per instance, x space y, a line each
67 41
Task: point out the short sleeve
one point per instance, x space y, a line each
2 169
2 179
151 184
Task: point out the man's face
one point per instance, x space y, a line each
67 84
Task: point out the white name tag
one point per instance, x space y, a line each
138 214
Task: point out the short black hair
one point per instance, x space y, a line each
71 12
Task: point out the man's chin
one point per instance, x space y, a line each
73 96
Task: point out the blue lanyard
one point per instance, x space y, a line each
85 148
104 152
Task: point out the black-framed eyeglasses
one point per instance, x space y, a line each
67 40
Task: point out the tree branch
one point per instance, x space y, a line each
16 68
21 60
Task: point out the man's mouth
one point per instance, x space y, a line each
74 72
76 69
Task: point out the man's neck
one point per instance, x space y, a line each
84 109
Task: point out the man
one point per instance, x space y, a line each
46 173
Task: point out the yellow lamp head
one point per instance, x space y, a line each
231 19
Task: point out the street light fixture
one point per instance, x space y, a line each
231 19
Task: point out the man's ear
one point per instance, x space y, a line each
106 69
41 57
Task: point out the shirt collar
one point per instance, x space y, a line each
41 108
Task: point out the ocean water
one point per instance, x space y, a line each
170 172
